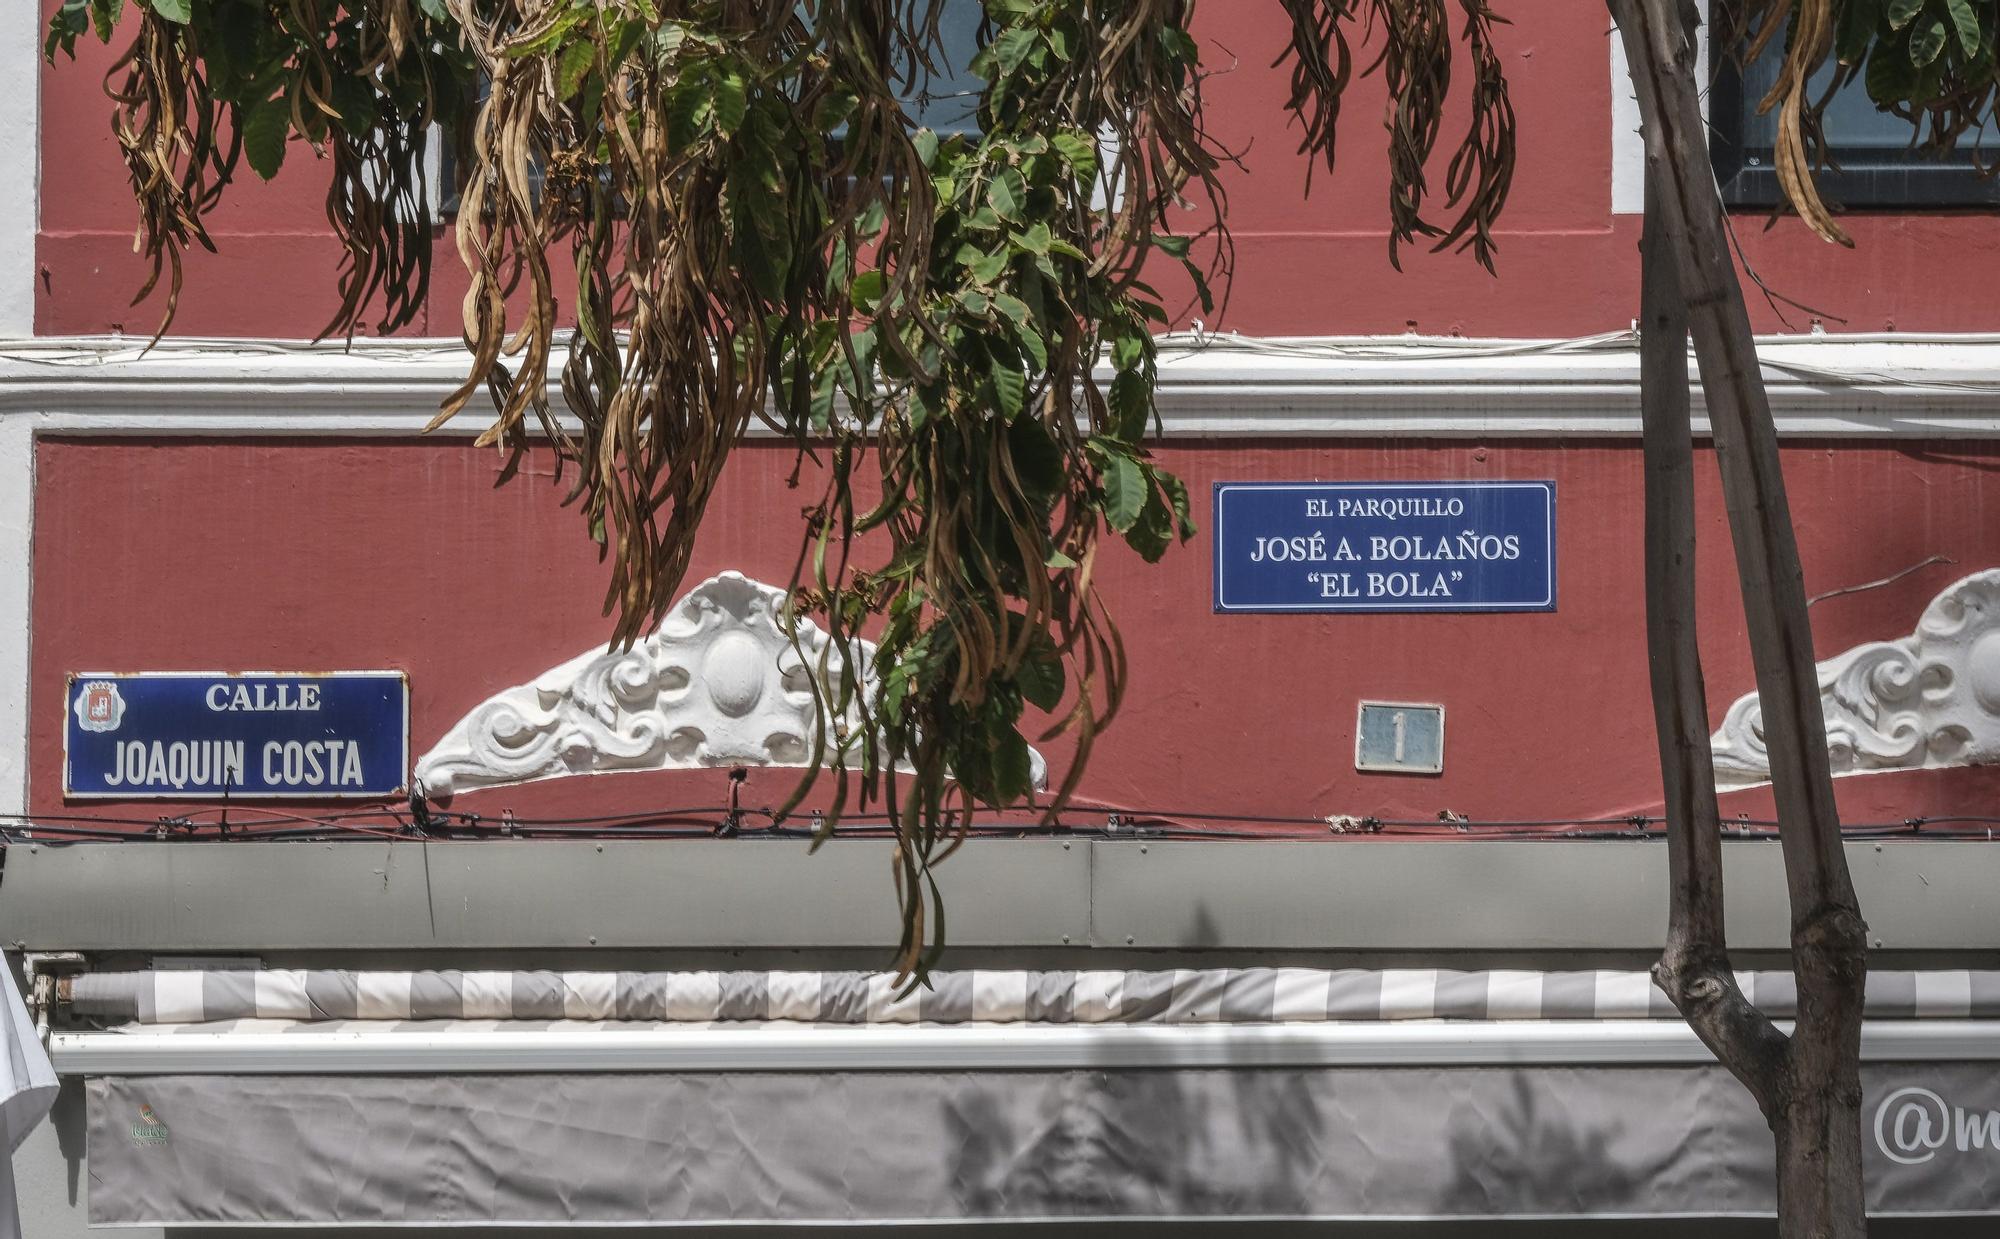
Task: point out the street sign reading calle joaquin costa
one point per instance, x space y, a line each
1385 546
193 735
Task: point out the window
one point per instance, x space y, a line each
947 103
1878 168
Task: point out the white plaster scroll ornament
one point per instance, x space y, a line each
1928 700
717 684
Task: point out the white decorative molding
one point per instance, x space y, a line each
1872 386
1928 700
719 683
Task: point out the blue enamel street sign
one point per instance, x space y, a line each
1385 546
186 735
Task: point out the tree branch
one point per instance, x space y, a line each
1808 1086
1694 970
1747 450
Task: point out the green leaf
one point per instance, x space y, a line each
1013 46
1901 11
1967 22
732 100
1152 533
1008 194
1010 390
1035 240
356 104
1891 77
1856 30
926 143
1130 406
1013 770
577 61
1177 246
1927 41
689 108
760 238
1041 678
1124 483
551 38
1078 151
983 266
867 289
1032 344
1200 286
174 10
1177 497
820 408
65 24
1013 307
1038 461
266 126
1128 350
104 14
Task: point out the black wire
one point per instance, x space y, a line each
702 821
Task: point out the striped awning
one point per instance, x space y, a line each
1178 996
553 1098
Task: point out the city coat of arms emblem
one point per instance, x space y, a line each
99 707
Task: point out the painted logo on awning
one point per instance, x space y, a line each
1913 1124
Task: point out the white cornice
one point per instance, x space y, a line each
1900 386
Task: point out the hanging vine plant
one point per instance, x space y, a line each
960 324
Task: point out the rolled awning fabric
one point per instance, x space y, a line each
903 1146
27 1090
344 1097
1208 995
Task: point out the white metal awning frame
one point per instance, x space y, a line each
478 1046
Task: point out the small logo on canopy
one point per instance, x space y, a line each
149 1129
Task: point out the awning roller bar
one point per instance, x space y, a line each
353 1048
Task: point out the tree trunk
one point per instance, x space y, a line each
1808 1086
1694 970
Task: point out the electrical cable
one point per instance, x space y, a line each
706 821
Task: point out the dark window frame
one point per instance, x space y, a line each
918 103
1868 178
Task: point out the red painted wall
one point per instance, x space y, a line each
1317 266
269 555
248 554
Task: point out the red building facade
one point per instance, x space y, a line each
238 500
408 556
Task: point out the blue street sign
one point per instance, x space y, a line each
1385 546
188 735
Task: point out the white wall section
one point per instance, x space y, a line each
1628 151
20 158
17 493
